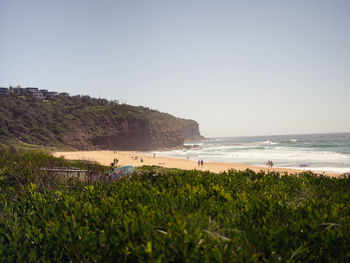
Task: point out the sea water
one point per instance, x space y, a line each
316 152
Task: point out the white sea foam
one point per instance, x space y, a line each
257 153
193 143
267 142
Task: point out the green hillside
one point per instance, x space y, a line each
82 122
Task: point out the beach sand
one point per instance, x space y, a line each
128 158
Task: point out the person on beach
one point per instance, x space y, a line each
154 155
112 173
141 159
115 161
199 163
269 163
202 162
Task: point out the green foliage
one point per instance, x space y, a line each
76 121
160 215
18 170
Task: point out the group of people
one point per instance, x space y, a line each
135 158
269 163
200 163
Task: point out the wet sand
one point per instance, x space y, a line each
129 158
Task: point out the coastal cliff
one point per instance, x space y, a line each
190 130
85 123
129 134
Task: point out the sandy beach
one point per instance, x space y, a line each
134 158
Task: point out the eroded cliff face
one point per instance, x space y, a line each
190 130
129 135
139 136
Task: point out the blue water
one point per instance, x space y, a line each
317 152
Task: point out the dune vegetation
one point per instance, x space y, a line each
170 215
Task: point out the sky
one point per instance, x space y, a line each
239 68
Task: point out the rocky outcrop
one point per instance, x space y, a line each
190 130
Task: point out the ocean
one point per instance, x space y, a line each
316 152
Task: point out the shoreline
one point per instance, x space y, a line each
129 158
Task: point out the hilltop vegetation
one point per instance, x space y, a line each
176 216
82 122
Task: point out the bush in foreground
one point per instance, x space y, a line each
180 216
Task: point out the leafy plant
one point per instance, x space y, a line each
171 215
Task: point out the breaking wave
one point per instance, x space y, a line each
309 152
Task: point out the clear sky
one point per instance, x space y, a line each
237 67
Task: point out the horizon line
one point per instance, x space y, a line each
318 133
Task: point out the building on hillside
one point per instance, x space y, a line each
35 92
51 94
63 94
31 89
4 91
44 91
38 95
18 91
